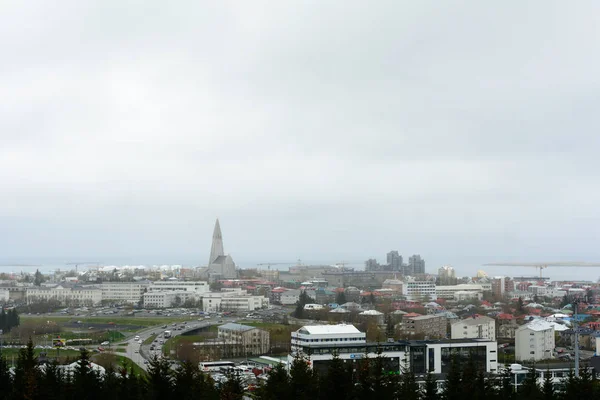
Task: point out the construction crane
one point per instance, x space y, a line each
544 265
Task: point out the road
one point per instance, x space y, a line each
138 353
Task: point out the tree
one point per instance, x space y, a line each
232 389
340 298
5 379
337 383
277 386
529 388
302 379
26 378
52 383
86 382
38 278
547 389
430 388
520 305
453 384
390 330
159 378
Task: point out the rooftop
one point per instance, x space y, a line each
328 329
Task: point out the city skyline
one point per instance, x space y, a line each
463 132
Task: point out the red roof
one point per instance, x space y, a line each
505 316
411 315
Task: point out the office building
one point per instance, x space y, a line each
66 295
196 287
416 265
321 342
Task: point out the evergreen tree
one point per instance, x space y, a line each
505 390
26 379
190 383
302 379
337 383
520 305
110 382
430 389
390 330
409 388
340 298
86 382
587 385
547 389
453 384
277 386
159 379
38 278
5 379
382 383
529 388
232 389
52 383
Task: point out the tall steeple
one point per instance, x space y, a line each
216 249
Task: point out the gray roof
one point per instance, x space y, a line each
230 326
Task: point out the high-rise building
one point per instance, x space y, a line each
372 265
220 266
394 260
447 275
416 265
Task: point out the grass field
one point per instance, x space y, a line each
9 354
150 339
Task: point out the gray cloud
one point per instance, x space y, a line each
462 131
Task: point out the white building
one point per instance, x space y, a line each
243 340
4 295
534 341
448 291
465 295
474 328
316 335
289 297
322 342
419 290
76 295
127 292
313 307
197 287
233 301
166 299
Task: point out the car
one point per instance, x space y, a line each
136 351
140 341
105 343
136 338
164 326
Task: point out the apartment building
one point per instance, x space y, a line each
243 340
481 327
431 326
534 341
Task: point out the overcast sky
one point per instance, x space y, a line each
467 132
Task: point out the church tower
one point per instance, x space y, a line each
216 249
